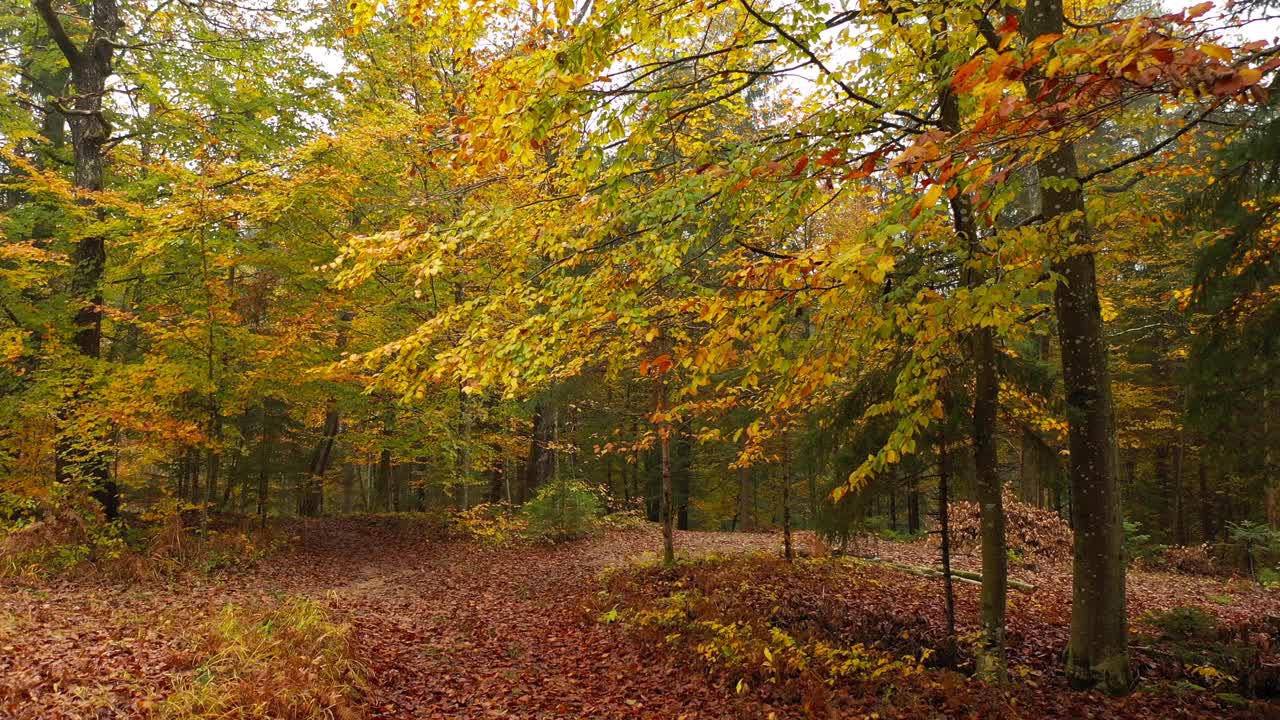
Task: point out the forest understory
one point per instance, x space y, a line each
432 627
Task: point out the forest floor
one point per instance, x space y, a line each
459 630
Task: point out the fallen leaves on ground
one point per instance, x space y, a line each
458 630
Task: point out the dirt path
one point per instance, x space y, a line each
463 632
449 630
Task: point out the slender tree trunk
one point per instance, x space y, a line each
182 474
193 478
213 469
1179 512
944 530
1268 463
995 559
313 492
913 506
786 498
664 442
745 520
83 454
264 463
893 505
1097 653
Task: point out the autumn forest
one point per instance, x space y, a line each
596 359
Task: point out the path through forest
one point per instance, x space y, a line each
454 631
448 630
466 631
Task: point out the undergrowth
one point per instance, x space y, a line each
753 623
559 512
841 632
291 662
172 537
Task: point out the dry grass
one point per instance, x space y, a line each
291 662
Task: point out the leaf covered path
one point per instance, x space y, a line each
465 631
459 632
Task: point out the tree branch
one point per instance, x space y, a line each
1151 150
58 33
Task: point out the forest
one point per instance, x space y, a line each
664 359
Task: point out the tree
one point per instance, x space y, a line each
1098 651
82 453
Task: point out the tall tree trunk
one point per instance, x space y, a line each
182 474
193 475
213 469
1097 653
1179 512
497 479
746 522
982 350
82 454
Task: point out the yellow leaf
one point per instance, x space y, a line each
1217 52
1249 76
931 195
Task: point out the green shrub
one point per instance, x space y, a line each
1183 623
1269 577
1256 539
562 511
1137 544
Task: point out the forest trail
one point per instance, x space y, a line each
448 630
460 631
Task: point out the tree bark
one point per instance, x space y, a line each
995 571
746 522
83 455
664 442
944 530
1097 653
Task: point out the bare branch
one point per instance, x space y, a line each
58 32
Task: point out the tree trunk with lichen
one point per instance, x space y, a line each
1097 654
